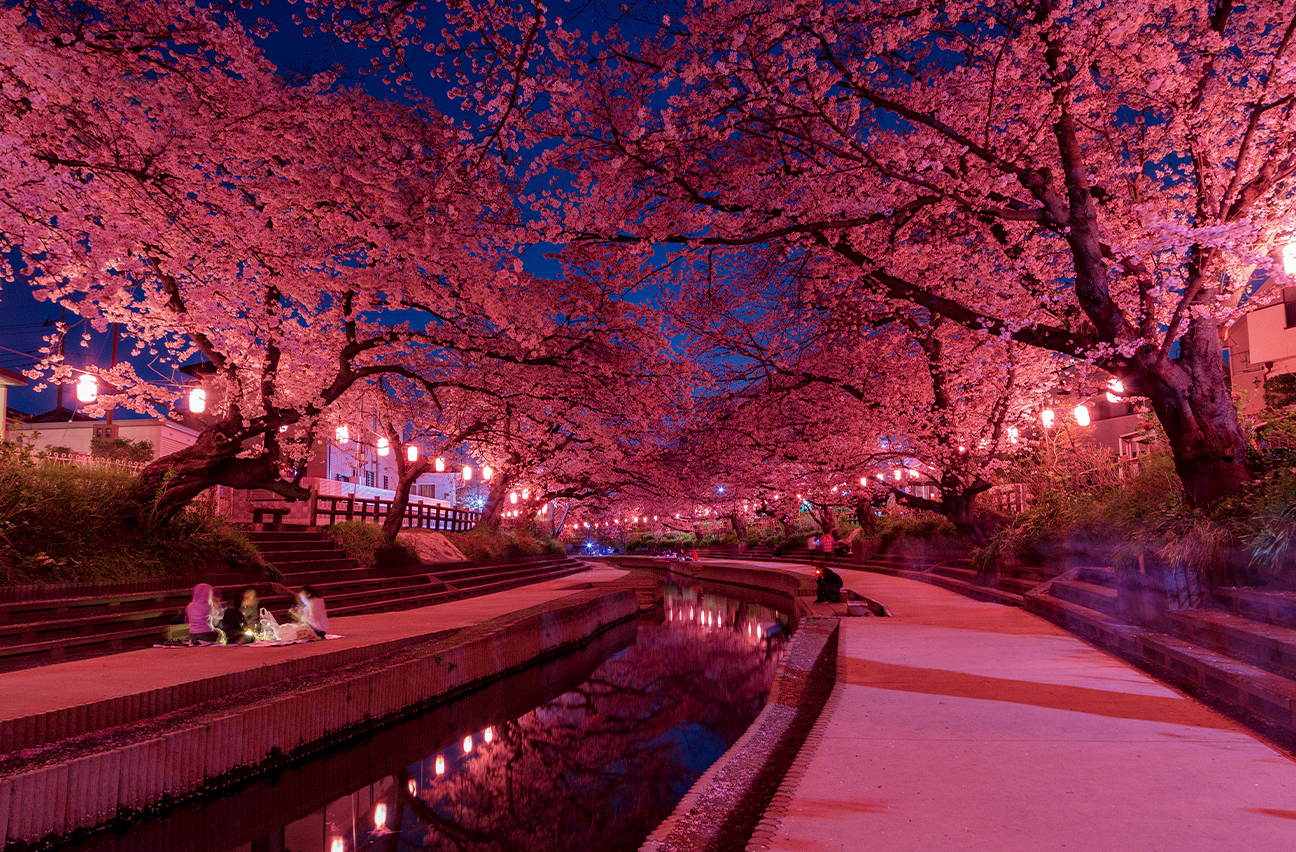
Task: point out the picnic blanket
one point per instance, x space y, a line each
257 644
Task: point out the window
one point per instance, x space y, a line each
1291 314
385 482
369 479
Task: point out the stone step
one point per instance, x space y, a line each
1267 646
1089 595
976 591
469 578
1265 605
966 574
1035 573
272 549
1097 575
1019 585
259 537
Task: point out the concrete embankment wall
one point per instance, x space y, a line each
135 769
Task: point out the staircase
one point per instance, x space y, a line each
1238 654
483 580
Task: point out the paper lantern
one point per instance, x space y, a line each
487 472
467 473
512 496
380 816
343 434
197 400
1082 415
440 465
411 453
384 446
87 388
1046 417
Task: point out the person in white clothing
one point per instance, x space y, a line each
310 611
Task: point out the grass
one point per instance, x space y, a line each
483 544
63 523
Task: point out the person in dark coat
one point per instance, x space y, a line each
829 585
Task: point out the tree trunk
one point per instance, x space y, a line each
490 516
739 525
865 518
1192 401
167 485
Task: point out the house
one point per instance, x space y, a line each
1260 346
65 428
8 379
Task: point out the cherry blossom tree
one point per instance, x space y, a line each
1095 179
300 237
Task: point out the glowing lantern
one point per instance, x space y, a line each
897 476
197 400
544 510
467 744
467 473
488 735
342 434
440 765
526 494
863 480
1082 415
440 465
1115 387
87 388
913 474
1289 258
283 429
587 525
512 496
411 453
962 449
384 446
1046 417
337 845
1013 433
412 786
380 816
487 472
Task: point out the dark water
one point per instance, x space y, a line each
589 752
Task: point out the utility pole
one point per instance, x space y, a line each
112 429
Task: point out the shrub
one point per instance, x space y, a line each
63 523
364 543
484 544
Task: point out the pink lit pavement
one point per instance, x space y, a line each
961 725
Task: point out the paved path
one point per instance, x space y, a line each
78 682
960 725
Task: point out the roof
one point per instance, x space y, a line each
60 415
9 377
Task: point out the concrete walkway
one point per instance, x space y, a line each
59 686
960 725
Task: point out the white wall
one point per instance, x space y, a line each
165 436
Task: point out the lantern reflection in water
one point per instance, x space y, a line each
596 767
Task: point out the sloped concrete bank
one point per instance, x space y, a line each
724 807
113 775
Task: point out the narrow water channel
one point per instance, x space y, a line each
589 752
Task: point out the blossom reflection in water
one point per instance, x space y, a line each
596 768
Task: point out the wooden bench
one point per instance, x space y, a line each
277 514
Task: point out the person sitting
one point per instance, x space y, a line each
781 549
841 548
232 624
250 606
203 613
828 584
310 611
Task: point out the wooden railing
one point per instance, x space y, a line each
326 509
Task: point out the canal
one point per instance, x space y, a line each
588 752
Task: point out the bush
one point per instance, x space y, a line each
366 545
483 544
916 526
63 523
